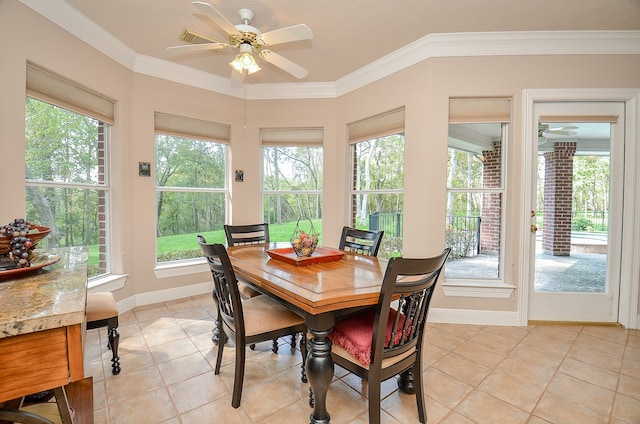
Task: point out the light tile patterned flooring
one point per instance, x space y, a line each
473 374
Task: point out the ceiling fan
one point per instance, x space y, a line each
247 39
564 130
544 129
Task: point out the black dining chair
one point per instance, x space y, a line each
363 242
380 343
238 235
248 321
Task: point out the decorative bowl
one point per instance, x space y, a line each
304 242
36 235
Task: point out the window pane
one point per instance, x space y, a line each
286 209
185 162
190 195
292 168
183 215
61 146
292 189
74 218
474 200
464 169
381 212
475 156
377 196
64 152
379 163
473 232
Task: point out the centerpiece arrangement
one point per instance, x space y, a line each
304 243
304 248
18 239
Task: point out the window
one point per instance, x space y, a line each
66 158
292 179
191 193
377 187
475 188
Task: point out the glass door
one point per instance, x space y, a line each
576 226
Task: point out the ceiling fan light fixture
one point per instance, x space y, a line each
244 61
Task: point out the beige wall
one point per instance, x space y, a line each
423 90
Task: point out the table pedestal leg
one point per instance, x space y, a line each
320 374
405 382
218 332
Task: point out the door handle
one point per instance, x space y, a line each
534 228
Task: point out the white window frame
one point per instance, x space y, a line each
484 110
308 137
46 86
385 124
196 130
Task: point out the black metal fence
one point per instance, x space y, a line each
390 222
463 232
463 235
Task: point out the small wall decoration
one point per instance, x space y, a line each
239 175
144 169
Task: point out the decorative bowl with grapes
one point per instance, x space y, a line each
36 234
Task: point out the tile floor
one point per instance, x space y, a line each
473 374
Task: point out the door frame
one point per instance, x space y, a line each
630 264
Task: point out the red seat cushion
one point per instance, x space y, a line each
355 334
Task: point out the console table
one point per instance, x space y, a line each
42 323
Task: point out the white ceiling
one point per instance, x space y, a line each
347 35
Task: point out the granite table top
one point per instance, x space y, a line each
46 298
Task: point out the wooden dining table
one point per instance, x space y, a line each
321 292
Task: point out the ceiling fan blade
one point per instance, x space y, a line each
560 132
287 35
566 127
215 16
201 46
284 64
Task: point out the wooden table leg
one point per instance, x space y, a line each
319 374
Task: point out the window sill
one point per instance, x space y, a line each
110 283
485 289
180 268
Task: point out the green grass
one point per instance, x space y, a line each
185 246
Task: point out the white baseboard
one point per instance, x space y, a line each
472 316
441 315
166 295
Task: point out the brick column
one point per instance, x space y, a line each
558 199
354 185
102 200
491 202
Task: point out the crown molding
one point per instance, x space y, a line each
433 45
163 69
68 18
469 44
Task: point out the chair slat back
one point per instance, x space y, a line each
363 242
408 286
238 235
225 290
